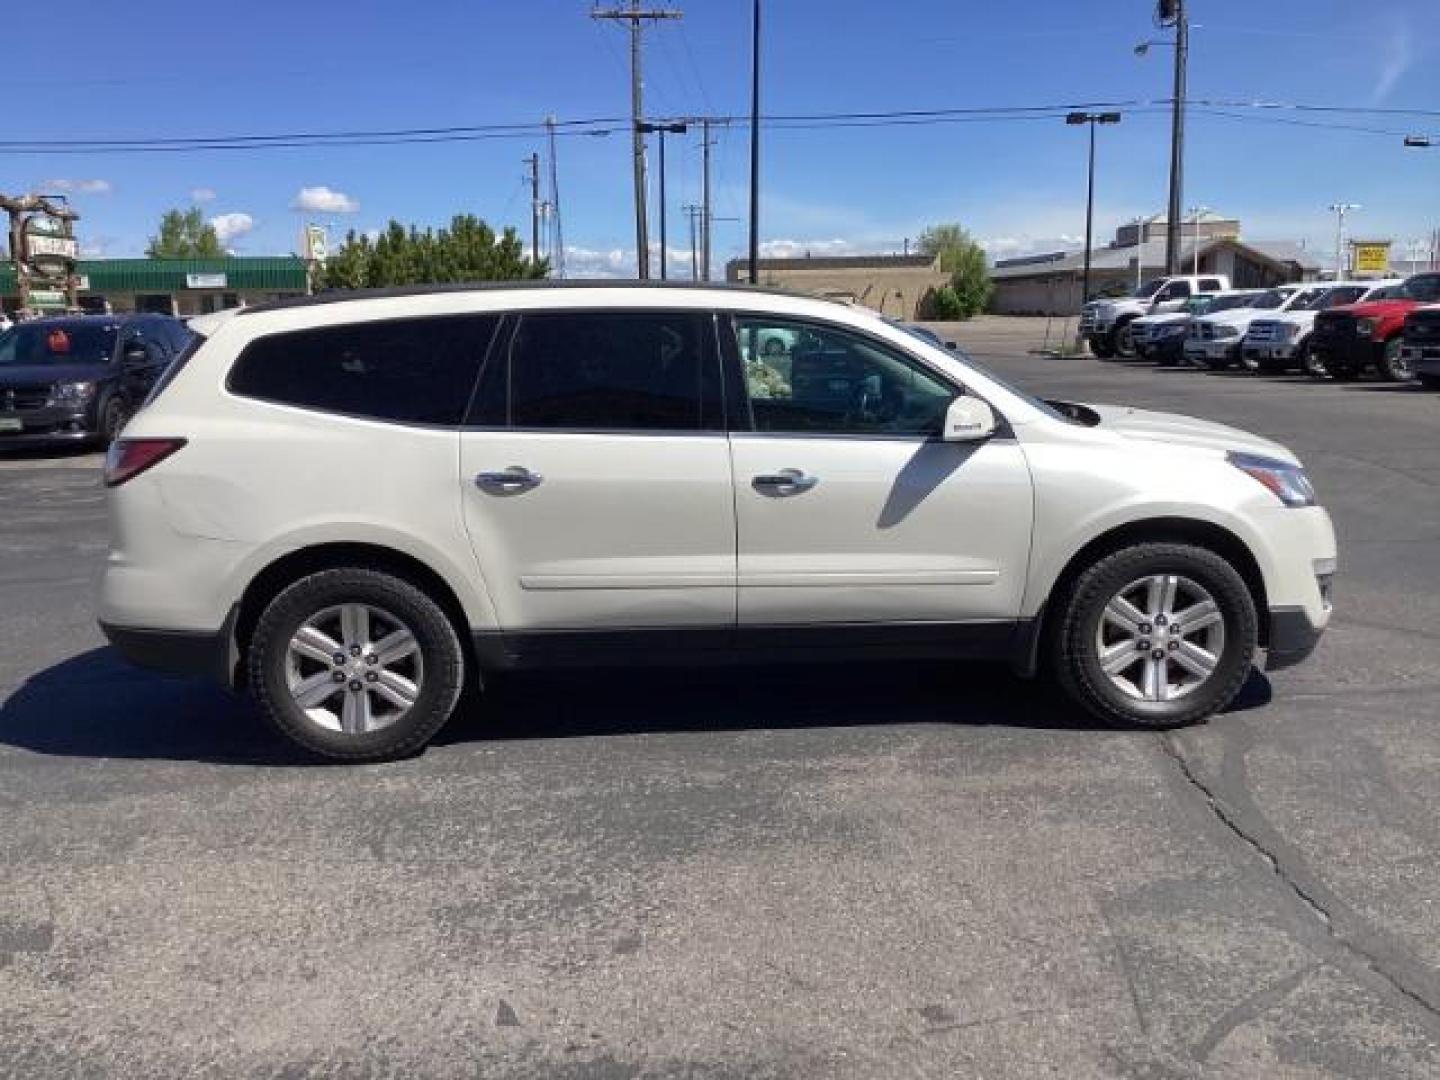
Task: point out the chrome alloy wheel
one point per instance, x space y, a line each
1160 637
354 668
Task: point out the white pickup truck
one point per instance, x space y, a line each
1281 342
1105 324
1214 340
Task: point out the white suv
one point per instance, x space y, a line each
356 503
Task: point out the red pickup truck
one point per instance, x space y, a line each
1348 340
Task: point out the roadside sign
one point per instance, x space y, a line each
205 281
1371 257
47 298
39 246
316 243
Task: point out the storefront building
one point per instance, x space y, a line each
180 287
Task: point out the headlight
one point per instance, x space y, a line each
1174 329
1287 482
1365 327
1222 330
71 393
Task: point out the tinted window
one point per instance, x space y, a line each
1210 283
613 371
409 370
808 378
47 341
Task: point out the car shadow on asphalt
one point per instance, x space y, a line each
94 705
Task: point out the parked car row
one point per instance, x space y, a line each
1336 330
76 379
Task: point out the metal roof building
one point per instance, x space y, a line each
183 287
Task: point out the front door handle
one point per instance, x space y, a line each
784 482
509 481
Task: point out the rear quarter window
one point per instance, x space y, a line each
414 371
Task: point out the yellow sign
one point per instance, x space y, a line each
1368 258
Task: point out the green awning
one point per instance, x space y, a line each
281 273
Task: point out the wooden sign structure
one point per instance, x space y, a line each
44 250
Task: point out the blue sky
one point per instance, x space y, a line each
166 68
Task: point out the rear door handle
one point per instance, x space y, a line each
784 482
509 481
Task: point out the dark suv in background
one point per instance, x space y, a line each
77 379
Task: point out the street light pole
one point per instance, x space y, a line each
1074 119
1340 209
1195 214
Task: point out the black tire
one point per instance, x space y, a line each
1393 365
1074 646
1342 372
1124 341
1102 347
113 417
439 652
1429 382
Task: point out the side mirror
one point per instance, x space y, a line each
952 346
968 419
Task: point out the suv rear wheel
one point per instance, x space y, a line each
1155 636
356 665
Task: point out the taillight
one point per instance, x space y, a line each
128 458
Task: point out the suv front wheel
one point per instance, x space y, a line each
1155 636
356 665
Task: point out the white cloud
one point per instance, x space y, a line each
81 187
202 194
799 249
1010 247
1396 56
323 200
582 262
231 226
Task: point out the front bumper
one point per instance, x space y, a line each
1261 353
1349 352
1163 350
44 427
1423 360
1211 352
209 654
1293 638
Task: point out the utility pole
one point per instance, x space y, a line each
705 145
534 162
637 16
677 127
692 212
755 146
557 232
1172 12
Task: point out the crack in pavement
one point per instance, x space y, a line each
1408 978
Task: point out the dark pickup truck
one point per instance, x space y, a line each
1348 340
1421 348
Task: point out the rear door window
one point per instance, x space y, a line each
415 371
608 371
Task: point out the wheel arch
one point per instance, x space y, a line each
1194 531
294 565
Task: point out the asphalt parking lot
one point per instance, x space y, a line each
876 871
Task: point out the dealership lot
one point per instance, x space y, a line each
867 871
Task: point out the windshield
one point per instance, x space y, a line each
1199 305
1307 300
1149 289
1226 303
1341 297
1268 301
58 343
1425 288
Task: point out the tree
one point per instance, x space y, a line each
185 234
964 260
465 250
